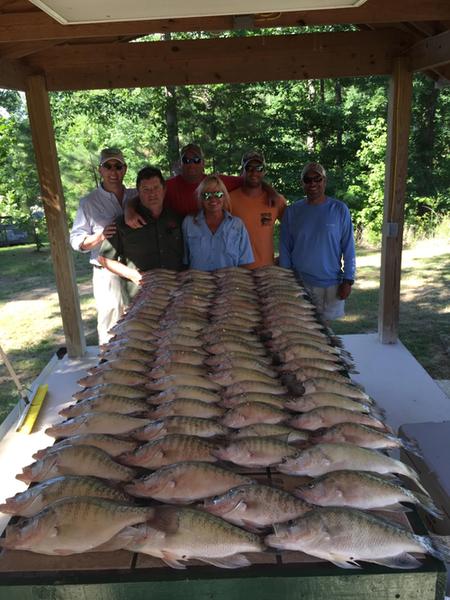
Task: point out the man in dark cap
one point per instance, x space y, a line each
316 241
94 222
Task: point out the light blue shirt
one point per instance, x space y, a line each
229 246
317 242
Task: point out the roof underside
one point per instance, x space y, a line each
98 55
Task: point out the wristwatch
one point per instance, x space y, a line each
349 281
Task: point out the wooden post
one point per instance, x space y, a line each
399 116
55 212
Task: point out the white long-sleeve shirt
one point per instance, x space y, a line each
96 210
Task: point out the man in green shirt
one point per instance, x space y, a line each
158 244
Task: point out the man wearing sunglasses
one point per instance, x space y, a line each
316 241
258 206
94 222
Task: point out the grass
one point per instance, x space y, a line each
31 327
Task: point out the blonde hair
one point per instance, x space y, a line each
213 178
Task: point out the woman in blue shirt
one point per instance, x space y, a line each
213 238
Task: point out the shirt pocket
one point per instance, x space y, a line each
232 241
195 245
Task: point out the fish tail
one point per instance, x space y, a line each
427 504
436 545
411 446
409 472
336 341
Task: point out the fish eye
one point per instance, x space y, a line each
311 485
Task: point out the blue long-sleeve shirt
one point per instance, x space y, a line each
316 241
229 246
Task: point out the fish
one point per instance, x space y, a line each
115 404
76 460
296 350
111 389
128 352
37 497
96 422
249 413
325 385
316 399
164 383
185 482
73 525
168 450
244 387
362 490
123 364
117 376
326 457
271 399
227 377
236 346
255 451
255 506
178 534
125 341
302 374
110 444
186 407
201 427
299 364
287 434
345 536
174 368
367 437
229 361
190 357
326 416
185 392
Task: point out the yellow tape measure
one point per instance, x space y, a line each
33 410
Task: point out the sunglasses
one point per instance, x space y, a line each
316 179
117 167
196 160
209 195
258 168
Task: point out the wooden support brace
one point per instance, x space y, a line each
399 116
55 212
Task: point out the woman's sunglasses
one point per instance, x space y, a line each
209 195
187 161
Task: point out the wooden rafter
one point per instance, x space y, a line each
431 52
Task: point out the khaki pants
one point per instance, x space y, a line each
109 300
328 304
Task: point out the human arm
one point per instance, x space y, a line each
245 248
85 235
348 256
184 229
285 245
131 215
120 269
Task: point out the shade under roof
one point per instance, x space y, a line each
98 11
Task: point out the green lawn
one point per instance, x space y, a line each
31 328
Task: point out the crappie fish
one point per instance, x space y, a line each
367 437
236 346
110 444
76 460
185 392
271 399
255 451
185 407
164 383
244 387
111 389
227 377
230 361
326 416
249 413
325 385
173 368
287 434
122 364
178 534
362 490
96 422
326 457
189 357
185 482
197 426
170 449
117 376
37 497
304 373
315 400
345 536
73 525
254 506
115 404
130 353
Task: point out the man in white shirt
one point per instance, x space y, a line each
94 222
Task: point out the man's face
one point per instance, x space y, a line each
314 185
254 173
112 173
192 166
151 194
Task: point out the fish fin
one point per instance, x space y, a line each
62 552
396 507
170 560
411 446
441 545
344 563
250 526
401 561
426 503
227 562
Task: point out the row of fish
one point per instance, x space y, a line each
209 375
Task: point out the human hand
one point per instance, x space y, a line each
133 219
109 231
136 277
344 290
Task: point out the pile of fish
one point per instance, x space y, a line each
210 380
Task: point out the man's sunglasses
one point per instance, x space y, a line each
196 160
117 167
209 195
316 179
258 168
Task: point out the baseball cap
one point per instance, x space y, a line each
111 154
195 148
253 156
313 166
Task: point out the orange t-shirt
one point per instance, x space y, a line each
259 219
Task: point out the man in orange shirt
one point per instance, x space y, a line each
258 208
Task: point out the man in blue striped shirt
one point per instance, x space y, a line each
317 242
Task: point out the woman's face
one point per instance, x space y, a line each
212 199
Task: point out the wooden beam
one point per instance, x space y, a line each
55 212
431 52
399 116
222 60
36 25
17 50
13 74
